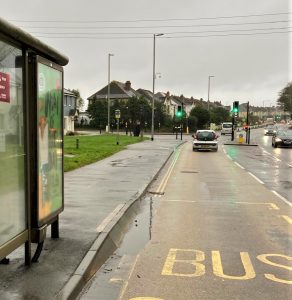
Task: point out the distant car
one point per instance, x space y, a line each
282 138
205 140
270 130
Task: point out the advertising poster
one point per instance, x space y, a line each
50 142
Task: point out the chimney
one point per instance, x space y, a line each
128 85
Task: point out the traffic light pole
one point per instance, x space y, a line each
232 131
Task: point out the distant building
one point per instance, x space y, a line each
118 92
70 110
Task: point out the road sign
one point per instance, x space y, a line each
117 114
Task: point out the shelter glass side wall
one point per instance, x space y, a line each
12 153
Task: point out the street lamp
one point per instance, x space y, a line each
153 78
108 92
209 91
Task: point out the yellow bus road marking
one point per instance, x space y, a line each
191 263
288 219
271 205
168 173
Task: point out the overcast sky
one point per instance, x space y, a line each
249 58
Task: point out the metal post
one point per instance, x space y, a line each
209 91
232 131
118 134
108 92
153 91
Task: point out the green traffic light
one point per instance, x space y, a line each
179 113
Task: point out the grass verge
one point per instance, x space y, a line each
92 149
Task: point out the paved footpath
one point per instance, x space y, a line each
92 193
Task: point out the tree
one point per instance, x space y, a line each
219 115
202 115
79 101
285 98
98 113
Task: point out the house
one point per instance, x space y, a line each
118 92
70 110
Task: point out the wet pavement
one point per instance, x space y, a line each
92 193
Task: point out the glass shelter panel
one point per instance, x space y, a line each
12 155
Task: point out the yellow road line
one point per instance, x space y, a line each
271 205
168 173
288 219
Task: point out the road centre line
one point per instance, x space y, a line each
282 198
256 178
240 166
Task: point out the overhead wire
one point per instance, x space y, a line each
160 26
154 20
166 37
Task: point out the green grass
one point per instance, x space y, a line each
93 148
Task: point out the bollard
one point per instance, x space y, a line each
240 139
77 143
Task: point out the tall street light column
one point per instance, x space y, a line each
153 77
209 91
108 92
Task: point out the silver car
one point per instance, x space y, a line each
205 140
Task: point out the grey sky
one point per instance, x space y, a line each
246 67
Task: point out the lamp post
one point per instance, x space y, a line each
209 79
153 78
108 92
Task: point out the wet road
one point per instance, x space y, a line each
217 233
273 166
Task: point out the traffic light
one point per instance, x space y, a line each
179 111
235 108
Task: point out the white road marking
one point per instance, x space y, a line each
240 166
276 158
282 198
256 178
185 201
229 157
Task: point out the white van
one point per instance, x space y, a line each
226 128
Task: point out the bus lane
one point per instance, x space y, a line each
218 233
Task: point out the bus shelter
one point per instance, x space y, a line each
31 140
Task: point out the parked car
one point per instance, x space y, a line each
205 140
282 139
